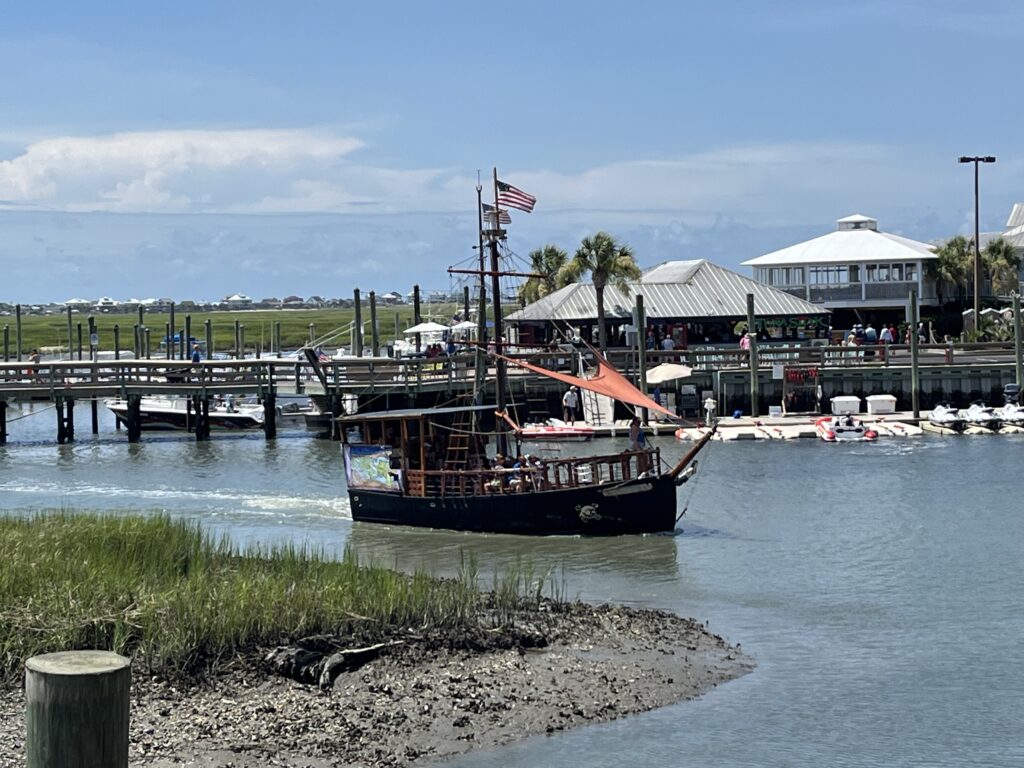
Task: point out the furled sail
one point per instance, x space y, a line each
605 381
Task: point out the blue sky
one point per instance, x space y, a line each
195 150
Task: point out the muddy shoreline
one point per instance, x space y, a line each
421 702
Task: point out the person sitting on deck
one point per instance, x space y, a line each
499 479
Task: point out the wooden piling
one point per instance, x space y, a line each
208 329
133 417
416 314
77 710
374 333
269 415
754 366
3 422
17 330
171 346
357 325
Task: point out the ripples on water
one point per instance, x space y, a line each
878 586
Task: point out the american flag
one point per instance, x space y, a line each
515 198
503 217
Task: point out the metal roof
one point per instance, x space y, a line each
851 246
675 289
1016 216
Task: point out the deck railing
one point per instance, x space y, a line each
547 475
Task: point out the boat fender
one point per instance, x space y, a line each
686 474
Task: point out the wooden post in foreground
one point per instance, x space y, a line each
1018 342
915 375
754 365
77 709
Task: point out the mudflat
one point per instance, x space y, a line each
421 701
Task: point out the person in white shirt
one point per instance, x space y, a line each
570 402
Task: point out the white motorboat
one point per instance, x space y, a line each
841 429
947 417
555 429
1011 415
977 414
176 413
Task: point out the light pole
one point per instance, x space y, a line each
977 245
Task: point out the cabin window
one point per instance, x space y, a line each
910 271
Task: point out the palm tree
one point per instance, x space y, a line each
608 263
954 266
548 262
1002 264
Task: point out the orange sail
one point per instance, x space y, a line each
605 381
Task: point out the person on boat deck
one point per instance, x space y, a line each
570 402
499 480
536 472
518 481
637 438
196 357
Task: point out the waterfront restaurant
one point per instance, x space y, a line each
859 273
689 302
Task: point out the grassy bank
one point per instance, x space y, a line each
179 601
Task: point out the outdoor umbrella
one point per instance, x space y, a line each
427 327
659 374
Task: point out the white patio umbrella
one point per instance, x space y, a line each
465 325
659 374
427 327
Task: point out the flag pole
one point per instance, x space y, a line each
499 342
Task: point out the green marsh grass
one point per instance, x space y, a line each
180 601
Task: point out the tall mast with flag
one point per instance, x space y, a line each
512 197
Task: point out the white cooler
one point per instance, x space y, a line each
881 404
846 404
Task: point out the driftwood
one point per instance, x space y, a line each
320 660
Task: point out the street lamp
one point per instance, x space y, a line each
977 245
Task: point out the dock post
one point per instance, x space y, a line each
94 407
915 374
241 342
133 418
416 314
117 341
754 384
238 341
374 335
71 343
277 337
69 430
186 349
137 341
17 330
61 428
269 416
641 339
77 709
7 343
357 325
145 332
208 327
465 303
1018 341
79 344
171 346
167 337
201 409
3 422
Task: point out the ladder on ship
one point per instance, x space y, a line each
457 450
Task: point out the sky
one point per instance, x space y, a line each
195 150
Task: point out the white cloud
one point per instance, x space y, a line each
293 171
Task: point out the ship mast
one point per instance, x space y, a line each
499 340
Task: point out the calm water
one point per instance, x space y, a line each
878 586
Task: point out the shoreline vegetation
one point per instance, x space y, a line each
283 653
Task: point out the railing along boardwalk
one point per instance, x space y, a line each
65 382
21 381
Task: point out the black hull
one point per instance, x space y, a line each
638 506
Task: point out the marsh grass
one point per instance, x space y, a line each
180 601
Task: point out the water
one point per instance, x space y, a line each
877 586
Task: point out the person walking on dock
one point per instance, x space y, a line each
570 402
196 357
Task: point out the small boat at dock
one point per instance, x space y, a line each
843 429
977 414
947 417
176 413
